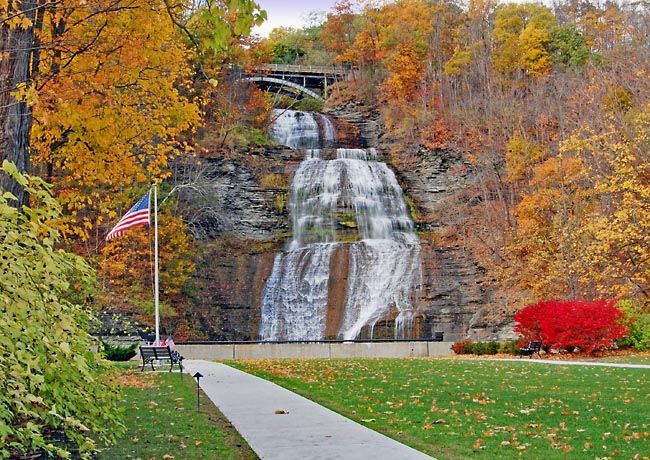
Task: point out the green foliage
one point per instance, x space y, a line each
298 46
218 24
568 46
509 347
486 348
119 352
469 347
413 208
286 54
637 316
51 379
280 201
309 104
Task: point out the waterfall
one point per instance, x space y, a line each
350 203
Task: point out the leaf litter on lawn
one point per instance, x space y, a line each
482 409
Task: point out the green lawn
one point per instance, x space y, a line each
642 358
163 422
482 409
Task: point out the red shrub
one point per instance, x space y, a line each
463 347
569 324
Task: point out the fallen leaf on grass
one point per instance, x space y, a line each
429 426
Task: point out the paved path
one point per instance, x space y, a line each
304 431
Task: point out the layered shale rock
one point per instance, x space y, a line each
244 224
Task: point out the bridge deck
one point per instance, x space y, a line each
304 69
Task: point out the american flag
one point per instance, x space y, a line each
137 215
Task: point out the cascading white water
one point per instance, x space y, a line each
326 198
295 129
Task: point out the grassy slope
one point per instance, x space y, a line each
481 409
163 422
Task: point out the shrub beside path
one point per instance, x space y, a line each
281 425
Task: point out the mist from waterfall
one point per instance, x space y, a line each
352 199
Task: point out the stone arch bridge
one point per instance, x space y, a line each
296 81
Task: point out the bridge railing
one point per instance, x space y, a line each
304 69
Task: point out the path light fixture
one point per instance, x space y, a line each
197 376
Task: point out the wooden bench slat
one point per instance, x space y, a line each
150 353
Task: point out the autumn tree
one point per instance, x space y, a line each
550 232
125 265
620 169
522 36
340 28
404 43
119 110
19 62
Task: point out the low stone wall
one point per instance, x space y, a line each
314 350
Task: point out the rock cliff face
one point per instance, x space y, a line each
241 196
246 226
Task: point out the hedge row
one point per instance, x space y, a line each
469 347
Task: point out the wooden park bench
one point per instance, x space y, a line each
149 354
535 346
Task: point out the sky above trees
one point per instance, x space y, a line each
289 13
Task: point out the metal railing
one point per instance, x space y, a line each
274 342
304 68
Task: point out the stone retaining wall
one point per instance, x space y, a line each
315 350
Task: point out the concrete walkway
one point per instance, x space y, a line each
281 425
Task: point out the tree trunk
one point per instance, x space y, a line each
17 48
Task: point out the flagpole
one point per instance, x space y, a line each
155 226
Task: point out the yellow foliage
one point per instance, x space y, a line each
112 116
520 156
405 72
128 260
550 237
521 32
535 58
583 226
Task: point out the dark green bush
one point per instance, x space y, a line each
509 347
469 347
486 348
119 352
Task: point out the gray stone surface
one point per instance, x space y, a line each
280 425
314 350
243 224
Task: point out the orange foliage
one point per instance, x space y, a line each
128 260
112 116
339 30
